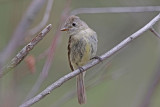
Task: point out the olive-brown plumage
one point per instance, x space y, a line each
82 46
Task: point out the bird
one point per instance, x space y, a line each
82 47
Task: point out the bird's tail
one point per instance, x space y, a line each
81 93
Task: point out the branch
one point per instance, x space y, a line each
154 32
116 10
20 31
20 56
67 77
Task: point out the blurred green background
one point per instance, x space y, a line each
120 81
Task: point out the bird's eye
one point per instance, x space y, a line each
74 24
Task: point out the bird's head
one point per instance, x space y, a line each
73 25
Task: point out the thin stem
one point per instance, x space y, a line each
20 56
154 32
21 29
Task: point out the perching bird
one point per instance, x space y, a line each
82 47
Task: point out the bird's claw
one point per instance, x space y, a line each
97 57
81 69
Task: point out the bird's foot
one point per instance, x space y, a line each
81 69
97 57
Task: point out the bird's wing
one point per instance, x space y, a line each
69 51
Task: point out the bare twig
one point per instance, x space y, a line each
44 20
20 56
116 10
20 31
67 77
154 32
50 55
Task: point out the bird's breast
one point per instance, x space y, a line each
81 48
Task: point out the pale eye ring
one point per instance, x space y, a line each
74 24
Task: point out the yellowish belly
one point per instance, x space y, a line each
80 53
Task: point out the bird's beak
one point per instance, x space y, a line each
64 29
